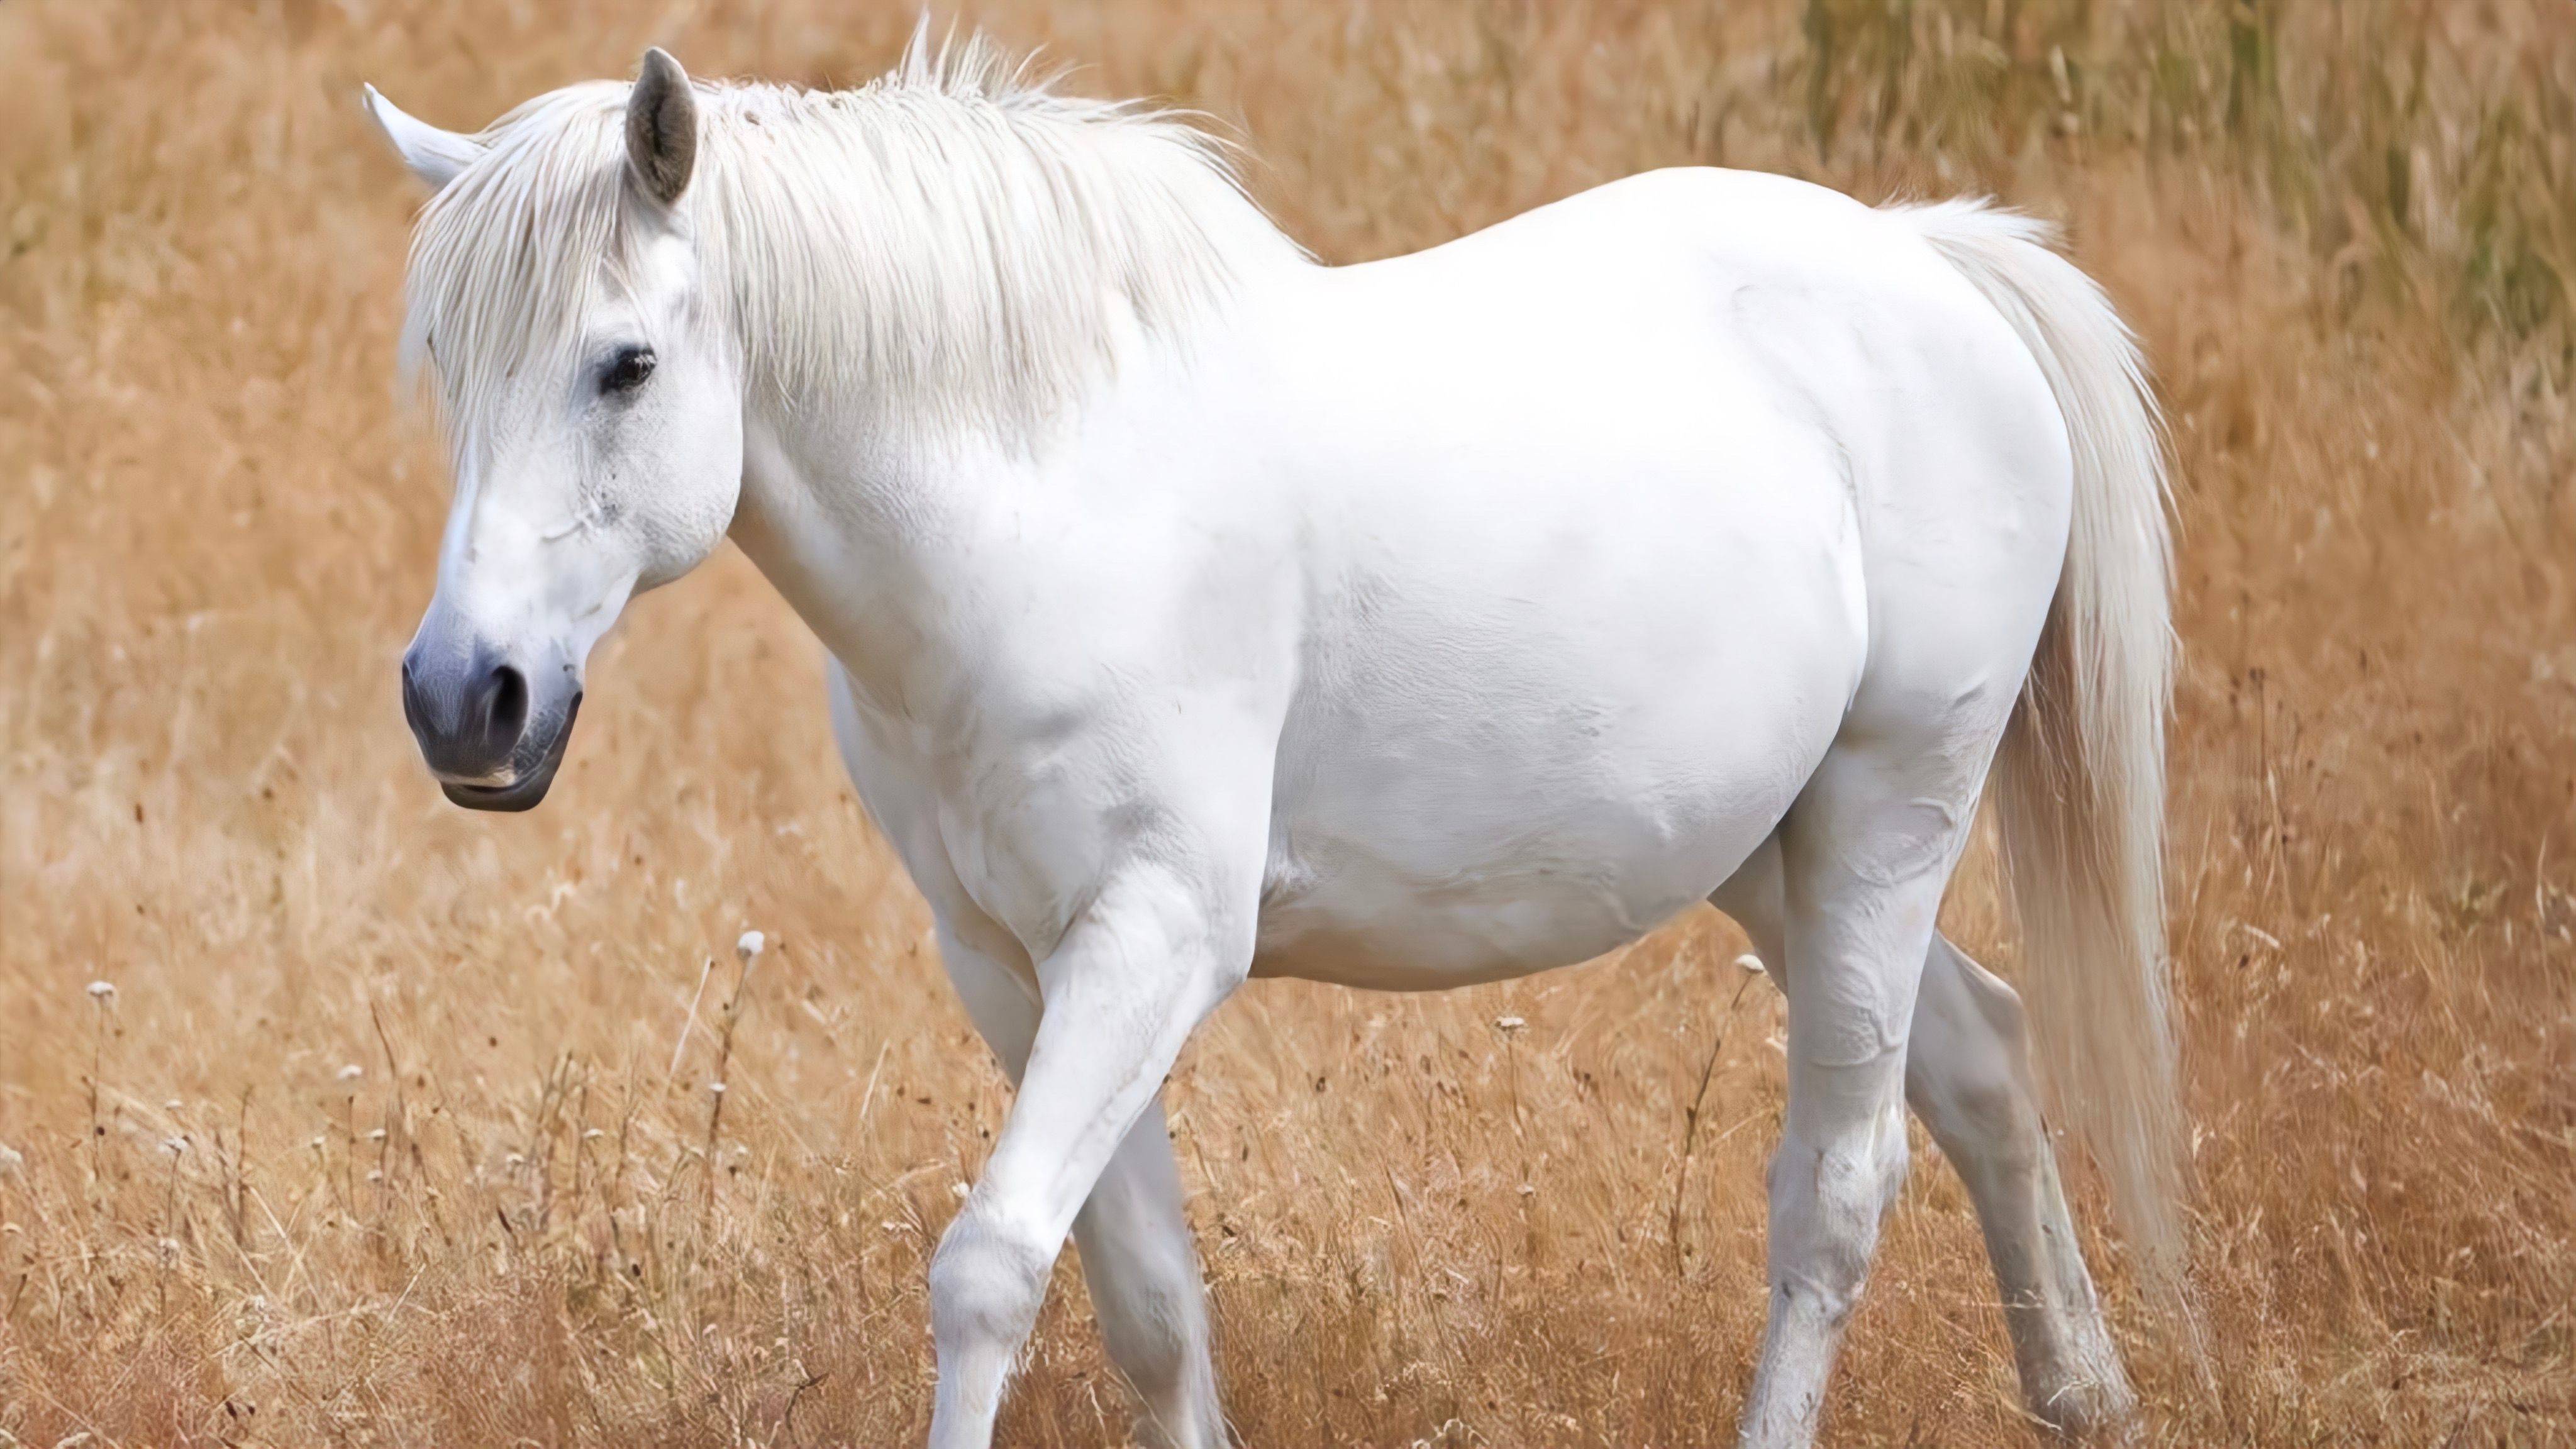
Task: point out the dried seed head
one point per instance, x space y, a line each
352 1072
174 1145
102 992
1749 964
750 946
1509 1024
10 1161
718 1088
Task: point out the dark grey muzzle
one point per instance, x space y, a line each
492 743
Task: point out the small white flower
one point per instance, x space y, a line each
375 1174
958 1190
716 1087
592 1134
174 1145
378 1135
1508 1024
750 946
10 1160
102 991
352 1072
1749 964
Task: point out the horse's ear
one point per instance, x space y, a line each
435 156
661 128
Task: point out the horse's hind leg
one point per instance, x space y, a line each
1968 1076
1865 854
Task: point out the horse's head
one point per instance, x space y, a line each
594 407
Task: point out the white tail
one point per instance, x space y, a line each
2080 781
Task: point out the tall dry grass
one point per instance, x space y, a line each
396 1129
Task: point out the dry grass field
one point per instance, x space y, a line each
396 1128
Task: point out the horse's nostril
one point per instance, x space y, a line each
415 713
509 708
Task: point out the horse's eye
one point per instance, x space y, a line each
627 371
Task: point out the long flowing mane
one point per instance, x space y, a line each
954 242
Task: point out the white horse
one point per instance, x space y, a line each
1200 612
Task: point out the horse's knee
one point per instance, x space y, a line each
1153 1344
986 1280
1151 1319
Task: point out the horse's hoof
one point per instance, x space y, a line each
2089 1411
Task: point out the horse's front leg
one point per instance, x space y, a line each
1146 1289
1137 1258
1150 957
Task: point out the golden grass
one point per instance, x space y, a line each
380 1140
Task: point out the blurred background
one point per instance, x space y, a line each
332 1114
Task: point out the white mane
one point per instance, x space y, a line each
952 243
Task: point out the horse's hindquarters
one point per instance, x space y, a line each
1617 510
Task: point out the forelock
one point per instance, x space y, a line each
508 257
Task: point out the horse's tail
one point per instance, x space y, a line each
2080 781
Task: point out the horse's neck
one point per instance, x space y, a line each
853 493
829 514
860 534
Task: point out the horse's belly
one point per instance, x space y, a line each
1462 801
1345 912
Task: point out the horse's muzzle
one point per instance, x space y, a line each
492 745
527 785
